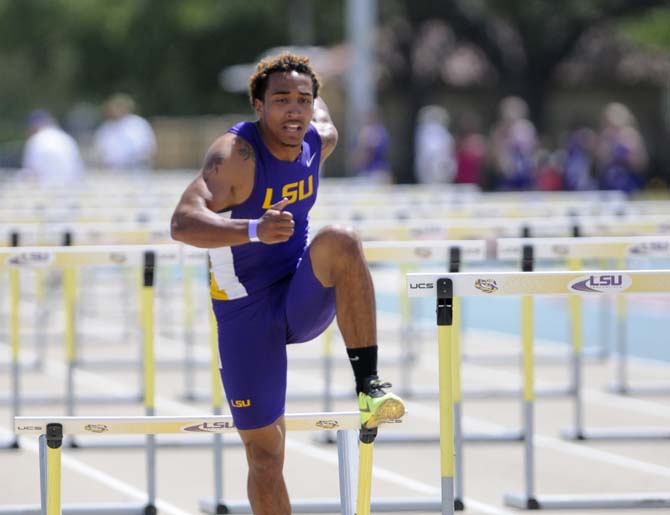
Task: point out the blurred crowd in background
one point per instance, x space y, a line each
511 155
510 95
122 140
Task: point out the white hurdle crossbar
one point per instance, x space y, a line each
51 431
447 287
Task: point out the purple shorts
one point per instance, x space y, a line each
253 334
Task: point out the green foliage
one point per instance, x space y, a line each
166 53
651 29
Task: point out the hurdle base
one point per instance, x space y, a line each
11 444
112 363
586 501
487 393
84 509
32 365
613 434
641 389
549 357
512 436
328 505
515 393
325 437
132 442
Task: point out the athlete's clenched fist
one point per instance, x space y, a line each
276 225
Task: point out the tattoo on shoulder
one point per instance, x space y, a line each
212 164
245 150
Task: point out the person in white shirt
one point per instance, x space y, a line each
125 140
434 149
51 157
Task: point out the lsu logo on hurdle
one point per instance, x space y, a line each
210 427
601 283
96 428
486 285
327 424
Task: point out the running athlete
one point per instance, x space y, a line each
270 285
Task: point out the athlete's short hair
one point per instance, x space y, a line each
284 62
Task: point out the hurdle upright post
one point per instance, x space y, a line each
147 310
444 311
366 445
527 319
455 266
14 322
577 340
189 333
50 445
69 303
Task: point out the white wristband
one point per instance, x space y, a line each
253 230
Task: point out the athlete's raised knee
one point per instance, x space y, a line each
335 248
337 238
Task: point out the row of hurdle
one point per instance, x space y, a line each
635 282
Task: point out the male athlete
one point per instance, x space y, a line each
270 285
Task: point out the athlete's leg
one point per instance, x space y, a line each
252 353
338 261
265 455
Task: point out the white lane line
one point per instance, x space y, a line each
97 475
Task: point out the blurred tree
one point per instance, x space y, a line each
523 40
165 53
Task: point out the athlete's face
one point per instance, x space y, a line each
287 108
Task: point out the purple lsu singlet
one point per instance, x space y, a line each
244 269
266 296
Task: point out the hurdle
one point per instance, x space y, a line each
52 430
14 238
107 233
574 250
19 258
445 287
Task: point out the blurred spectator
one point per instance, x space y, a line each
579 160
514 143
125 140
548 176
621 156
434 159
51 156
470 152
371 151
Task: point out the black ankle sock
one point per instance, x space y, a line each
364 362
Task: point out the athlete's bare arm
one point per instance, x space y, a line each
325 127
226 180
